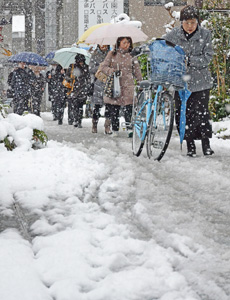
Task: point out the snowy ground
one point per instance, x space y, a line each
105 225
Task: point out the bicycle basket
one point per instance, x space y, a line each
167 64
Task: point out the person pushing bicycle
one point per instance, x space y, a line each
197 44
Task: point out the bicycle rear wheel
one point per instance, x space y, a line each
160 129
139 118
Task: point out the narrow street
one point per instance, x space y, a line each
166 223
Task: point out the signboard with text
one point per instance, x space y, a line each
92 12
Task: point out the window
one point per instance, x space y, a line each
163 2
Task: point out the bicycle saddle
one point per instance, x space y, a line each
145 84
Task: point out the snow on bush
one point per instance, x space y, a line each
221 129
20 131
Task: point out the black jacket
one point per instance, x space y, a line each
21 83
38 86
55 86
82 83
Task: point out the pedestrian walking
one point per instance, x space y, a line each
9 81
50 79
21 83
38 87
196 41
127 68
98 57
59 93
78 75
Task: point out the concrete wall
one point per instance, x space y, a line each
70 22
6 44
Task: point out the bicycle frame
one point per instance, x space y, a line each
142 126
150 105
153 118
159 90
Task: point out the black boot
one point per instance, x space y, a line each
59 122
206 147
94 125
79 124
191 148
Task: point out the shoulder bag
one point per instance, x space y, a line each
69 84
112 87
100 75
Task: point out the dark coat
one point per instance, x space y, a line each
38 86
130 70
51 83
56 89
10 92
97 57
21 83
82 82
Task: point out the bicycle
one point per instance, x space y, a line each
153 111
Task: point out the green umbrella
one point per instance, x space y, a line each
66 56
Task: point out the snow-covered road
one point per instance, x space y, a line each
106 225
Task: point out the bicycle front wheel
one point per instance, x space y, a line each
139 118
160 127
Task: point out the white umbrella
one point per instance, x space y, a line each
66 56
107 35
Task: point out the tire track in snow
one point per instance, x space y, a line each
173 186
23 221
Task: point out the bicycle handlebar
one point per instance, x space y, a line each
137 51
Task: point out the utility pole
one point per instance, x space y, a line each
50 25
28 11
39 10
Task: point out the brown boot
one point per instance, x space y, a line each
94 127
107 126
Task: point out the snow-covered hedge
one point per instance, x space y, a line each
21 132
221 129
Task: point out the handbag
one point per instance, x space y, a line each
69 84
100 75
112 87
116 85
109 86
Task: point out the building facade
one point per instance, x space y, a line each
153 14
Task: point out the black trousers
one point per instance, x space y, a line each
198 124
96 112
21 104
60 107
70 110
36 104
76 108
114 112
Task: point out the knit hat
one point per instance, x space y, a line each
79 58
189 12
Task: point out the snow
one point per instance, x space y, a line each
20 129
169 5
105 225
125 19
